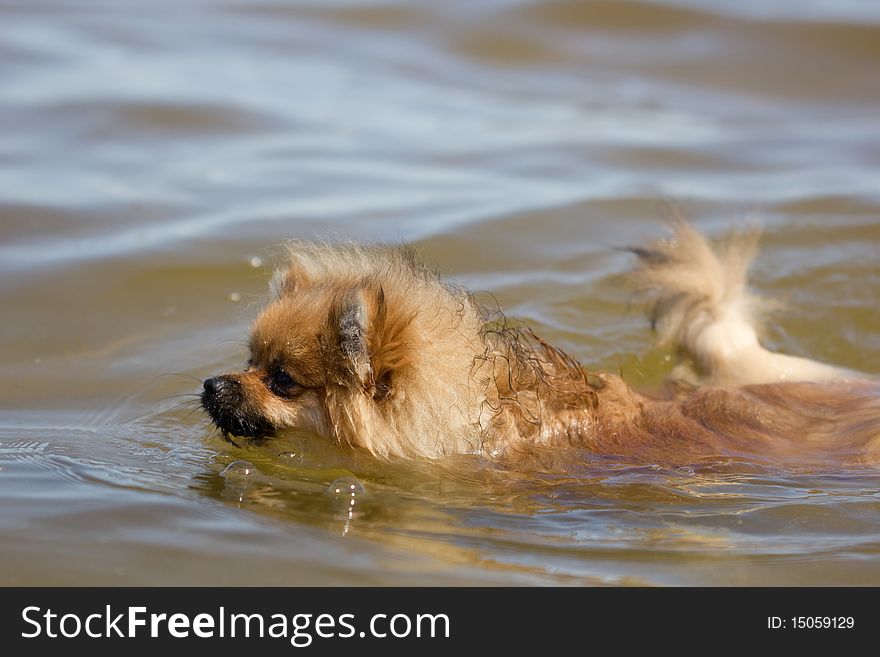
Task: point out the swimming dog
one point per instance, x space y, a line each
367 347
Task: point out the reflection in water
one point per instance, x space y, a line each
151 167
592 520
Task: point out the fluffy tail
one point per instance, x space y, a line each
700 304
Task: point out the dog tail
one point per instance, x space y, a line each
700 304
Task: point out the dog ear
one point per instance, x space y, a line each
286 281
358 320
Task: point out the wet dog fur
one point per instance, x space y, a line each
367 347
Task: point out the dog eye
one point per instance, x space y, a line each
282 381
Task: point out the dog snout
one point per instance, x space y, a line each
223 389
216 385
226 402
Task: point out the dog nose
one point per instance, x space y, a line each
214 385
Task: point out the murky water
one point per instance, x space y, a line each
154 154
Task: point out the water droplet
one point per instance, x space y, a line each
235 297
289 457
346 492
256 262
346 488
238 470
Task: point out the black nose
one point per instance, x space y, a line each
214 385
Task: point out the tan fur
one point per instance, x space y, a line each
700 303
384 356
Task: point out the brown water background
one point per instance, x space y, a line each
154 154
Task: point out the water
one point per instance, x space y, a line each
154 154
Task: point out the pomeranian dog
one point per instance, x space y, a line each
367 347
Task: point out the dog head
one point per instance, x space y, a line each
325 331
342 351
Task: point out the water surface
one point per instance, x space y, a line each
154 154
